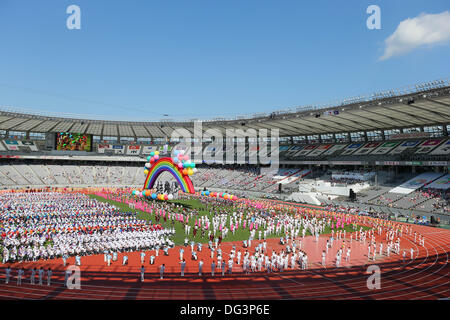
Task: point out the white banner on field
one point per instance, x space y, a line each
441 183
415 183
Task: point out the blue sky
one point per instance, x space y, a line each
141 59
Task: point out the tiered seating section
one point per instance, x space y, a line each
429 194
436 147
245 178
28 175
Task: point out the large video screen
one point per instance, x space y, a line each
73 142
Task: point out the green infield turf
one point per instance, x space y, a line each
239 235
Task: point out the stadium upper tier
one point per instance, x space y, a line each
422 105
431 151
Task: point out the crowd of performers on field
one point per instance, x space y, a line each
46 225
292 225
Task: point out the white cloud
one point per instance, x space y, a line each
425 29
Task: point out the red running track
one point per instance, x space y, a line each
424 277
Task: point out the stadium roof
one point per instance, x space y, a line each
423 106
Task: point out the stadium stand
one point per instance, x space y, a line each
374 146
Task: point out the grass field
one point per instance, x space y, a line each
178 238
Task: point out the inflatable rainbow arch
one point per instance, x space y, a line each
167 164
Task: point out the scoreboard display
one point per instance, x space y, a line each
66 141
